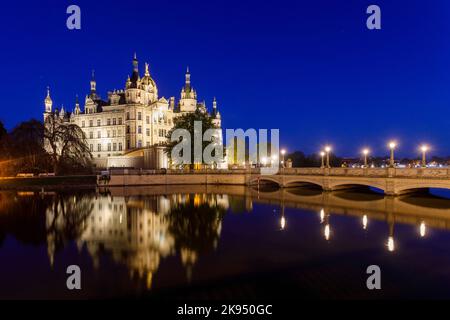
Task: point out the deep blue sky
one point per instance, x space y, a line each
310 68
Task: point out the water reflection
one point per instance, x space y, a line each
140 227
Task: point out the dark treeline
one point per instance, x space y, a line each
22 150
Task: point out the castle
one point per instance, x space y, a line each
126 129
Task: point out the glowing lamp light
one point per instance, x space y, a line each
392 145
327 149
283 223
322 153
423 229
390 244
366 152
326 232
424 148
283 152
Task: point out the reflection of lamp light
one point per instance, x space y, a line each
326 232
322 215
364 222
423 229
283 223
390 244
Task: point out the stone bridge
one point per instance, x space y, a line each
392 181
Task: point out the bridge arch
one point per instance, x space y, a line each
418 185
254 180
346 184
302 181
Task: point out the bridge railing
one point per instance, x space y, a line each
443 173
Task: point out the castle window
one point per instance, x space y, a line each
128 129
148 144
114 121
109 146
120 121
99 122
91 147
147 120
139 129
128 116
120 146
139 116
128 144
91 135
108 122
114 146
91 123
82 124
148 132
99 134
114 133
99 147
119 133
108 134
139 144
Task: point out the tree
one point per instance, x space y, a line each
66 144
26 147
186 121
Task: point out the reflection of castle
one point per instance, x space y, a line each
135 230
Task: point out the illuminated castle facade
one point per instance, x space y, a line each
120 128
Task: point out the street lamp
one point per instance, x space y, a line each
273 159
392 146
283 152
327 151
322 154
424 149
365 153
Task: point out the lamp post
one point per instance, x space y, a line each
283 152
392 146
327 151
322 155
273 160
424 149
365 153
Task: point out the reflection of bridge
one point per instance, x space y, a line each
392 181
410 210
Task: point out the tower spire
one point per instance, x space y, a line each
93 93
135 63
48 101
188 81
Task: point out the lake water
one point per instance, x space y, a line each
216 242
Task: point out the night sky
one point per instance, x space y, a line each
310 68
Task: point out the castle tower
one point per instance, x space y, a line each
188 101
48 102
77 106
93 93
